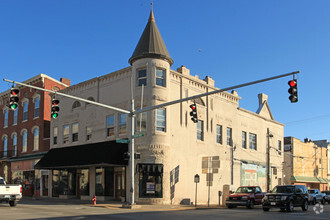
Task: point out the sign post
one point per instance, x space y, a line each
196 179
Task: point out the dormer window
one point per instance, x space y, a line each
142 77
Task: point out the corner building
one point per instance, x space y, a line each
226 148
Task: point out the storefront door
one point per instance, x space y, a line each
118 185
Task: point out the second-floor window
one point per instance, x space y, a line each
253 141
229 136
66 133
24 146
36 139
219 134
5 146
110 125
161 119
141 121
244 140
160 77
75 129
36 107
88 133
15 117
6 118
122 123
55 133
15 144
142 77
25 111
200 130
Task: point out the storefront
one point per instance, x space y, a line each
83 171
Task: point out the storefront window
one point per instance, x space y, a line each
84 182
104 181
55 183
64 182
150 180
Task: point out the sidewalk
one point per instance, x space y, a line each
114 204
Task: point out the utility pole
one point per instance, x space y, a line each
269 135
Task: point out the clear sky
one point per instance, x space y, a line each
233 41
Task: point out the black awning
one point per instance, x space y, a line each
104 153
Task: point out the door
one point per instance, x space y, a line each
118 185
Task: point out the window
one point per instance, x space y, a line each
25 111
15 117
66 131
15 144
24 146
6 118
36 139
55 133
253 141
161 119
141 121
160 77
142 77
200 130
88 133
75 128
110 125
244 139
36 107
230 136
76 104
150 180
219 134
90 99
5 146
280 147
107 180
122 123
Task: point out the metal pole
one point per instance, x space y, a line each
268 161
196 196
131 146
213 92
70 96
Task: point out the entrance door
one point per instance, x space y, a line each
118 185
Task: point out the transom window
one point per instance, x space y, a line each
142 77
160 77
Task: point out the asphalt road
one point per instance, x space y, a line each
42 210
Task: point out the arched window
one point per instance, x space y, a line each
35 139
76 104
24 138
90 99
14 138
5 145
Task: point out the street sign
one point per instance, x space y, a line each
123 141
138 135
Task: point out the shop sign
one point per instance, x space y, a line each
150 188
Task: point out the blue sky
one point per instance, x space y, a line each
234 42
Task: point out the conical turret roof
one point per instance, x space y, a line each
151 44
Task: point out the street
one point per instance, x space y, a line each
34 209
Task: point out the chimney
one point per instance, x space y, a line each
65 81
183 70
262 98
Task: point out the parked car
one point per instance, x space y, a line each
245 196
10 193
286 198
326 196
315 196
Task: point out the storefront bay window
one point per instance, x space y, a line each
64 182
104 182
150 180
84 182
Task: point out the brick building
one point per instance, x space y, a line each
25 132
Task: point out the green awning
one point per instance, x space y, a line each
308 179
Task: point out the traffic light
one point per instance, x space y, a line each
293 91
55 108
193 113
13 99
